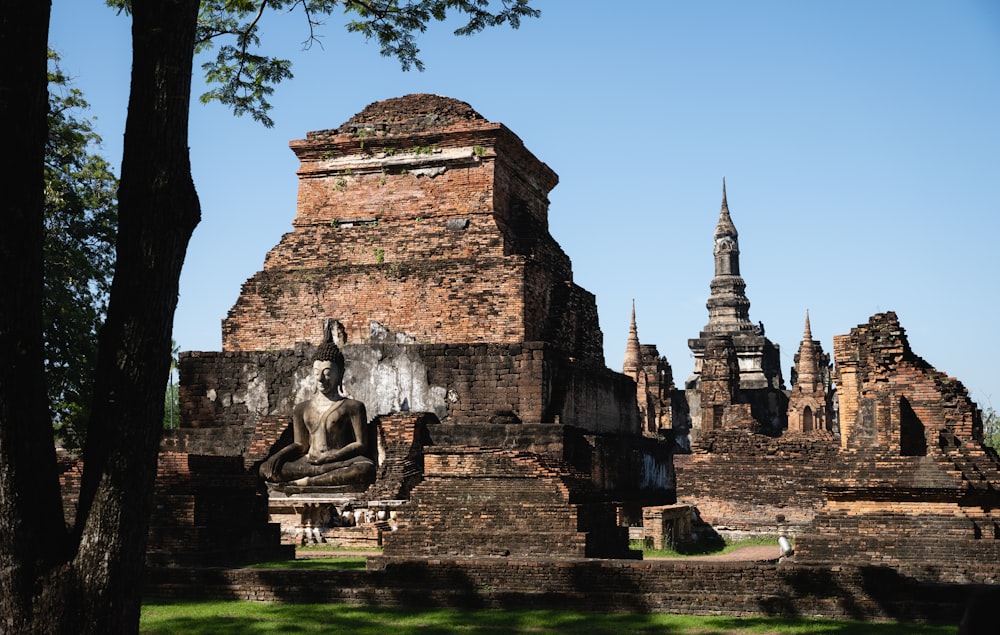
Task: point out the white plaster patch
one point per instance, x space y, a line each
256 395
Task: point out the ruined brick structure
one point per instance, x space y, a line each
209 511
891 398
746 483
914 487
419 214
421 239
730 346
907 483
661 405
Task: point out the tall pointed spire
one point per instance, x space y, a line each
725 227
728 306
633 358
805 362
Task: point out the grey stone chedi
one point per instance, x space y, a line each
732 347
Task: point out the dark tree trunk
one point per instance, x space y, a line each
89 581
33 537
158 210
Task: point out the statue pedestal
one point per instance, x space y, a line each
330 515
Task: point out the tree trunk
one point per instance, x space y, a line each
158 210
33 537
90 581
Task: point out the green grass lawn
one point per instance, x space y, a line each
252 618
218 618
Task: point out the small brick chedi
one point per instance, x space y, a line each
421 242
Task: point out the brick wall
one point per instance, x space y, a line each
746 482
892 398
466 383
496 503
207 510
735 589
942 539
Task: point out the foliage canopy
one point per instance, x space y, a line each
81 219
243 78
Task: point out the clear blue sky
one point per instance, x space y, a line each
859 140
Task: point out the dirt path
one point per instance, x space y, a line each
743 554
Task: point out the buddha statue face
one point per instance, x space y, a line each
329 377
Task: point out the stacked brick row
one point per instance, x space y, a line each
934 517
940 543
746 482
493 502
869 593
401 441
209 511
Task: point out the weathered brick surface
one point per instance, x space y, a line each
736 589
490 502
914 488
486 383
70 472
890 397
207 510
477 500
401 441
438 230
747 482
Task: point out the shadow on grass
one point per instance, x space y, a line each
253 619
218 618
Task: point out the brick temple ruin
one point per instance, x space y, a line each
421 239
875 458
421 243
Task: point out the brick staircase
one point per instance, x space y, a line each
494 502
933 517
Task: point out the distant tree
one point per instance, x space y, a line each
171 400
87 579
81 217
991 428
